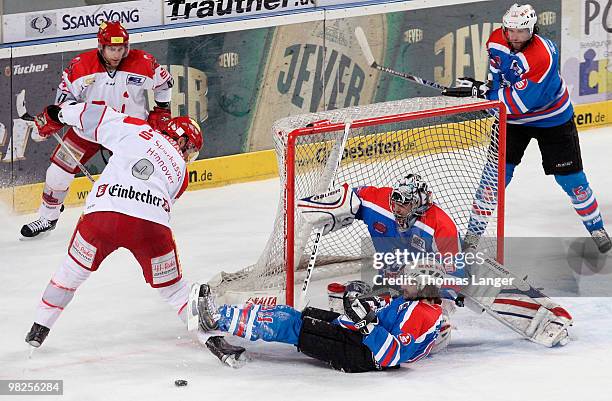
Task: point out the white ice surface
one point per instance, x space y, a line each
118 341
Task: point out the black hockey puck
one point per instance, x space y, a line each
180 383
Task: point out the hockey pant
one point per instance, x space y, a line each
99 234
312 331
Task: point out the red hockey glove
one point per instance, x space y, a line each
48 122
158 117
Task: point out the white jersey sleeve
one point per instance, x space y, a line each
94 123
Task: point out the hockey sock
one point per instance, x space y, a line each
485 201
583 199
57 182
177 296
509 172
273 324
59 292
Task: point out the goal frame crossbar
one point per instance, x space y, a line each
289 189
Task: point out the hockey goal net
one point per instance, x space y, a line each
457 145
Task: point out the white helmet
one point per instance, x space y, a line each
520 17
410 190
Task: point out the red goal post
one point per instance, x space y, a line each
339 127
457 145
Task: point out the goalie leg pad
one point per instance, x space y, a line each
340 348
333 210
522 308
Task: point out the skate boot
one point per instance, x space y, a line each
602 239
37 227
227 353
37 335
207 309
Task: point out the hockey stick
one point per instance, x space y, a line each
24 115
326 184
367 52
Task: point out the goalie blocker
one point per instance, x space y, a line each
332 210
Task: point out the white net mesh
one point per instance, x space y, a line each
456 153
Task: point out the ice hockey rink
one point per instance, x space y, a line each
119 341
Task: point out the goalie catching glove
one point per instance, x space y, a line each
332 210
48 122
467 87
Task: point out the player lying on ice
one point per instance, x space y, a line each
129 205
375 333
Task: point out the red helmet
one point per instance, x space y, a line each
178 127
112 33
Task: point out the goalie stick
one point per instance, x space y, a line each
326 184
367 52
24 115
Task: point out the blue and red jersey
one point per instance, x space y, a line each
528 82
435 231
406 331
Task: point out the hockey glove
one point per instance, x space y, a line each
362 314
158 117
48 122
467 87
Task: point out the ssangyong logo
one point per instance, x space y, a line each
41 23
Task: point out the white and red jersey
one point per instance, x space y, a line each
87 80
146 172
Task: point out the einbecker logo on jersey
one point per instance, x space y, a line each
118 191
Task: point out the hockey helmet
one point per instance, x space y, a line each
520 17
184 126
411 191
112 33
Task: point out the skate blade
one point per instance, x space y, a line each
237 363
37 237
193 317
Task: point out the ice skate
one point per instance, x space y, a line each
602 240
37 227
37 334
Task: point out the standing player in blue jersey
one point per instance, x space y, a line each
524 75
